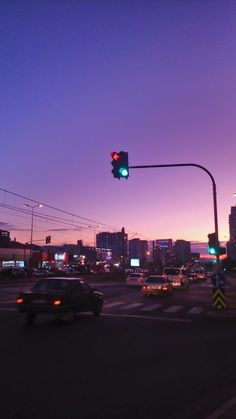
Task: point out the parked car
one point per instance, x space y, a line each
157 285
62 297
135 279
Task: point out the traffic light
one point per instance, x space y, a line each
48 239
213 245
120 164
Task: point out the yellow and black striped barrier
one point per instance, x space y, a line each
218 298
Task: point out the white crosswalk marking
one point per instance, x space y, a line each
130 306
151 307
195 310
124 305
114 304
173 309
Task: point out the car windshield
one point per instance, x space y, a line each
171 271
135 275
155 279
51 285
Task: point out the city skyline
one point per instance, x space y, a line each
81 80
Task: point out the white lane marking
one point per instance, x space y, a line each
131 316
7 302
130 306
151 307
136 316
7 309
173 309
196 310
114 304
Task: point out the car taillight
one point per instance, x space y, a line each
19 300
57 302
165 288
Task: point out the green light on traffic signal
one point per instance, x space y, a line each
212 251
123 172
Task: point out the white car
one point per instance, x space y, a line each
177 276
135 279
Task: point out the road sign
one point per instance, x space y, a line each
218 299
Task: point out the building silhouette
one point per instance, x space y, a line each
231 245
116 242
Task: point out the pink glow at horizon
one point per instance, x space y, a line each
82 79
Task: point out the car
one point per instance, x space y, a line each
177 276
198 274
135 279
62 297
157 285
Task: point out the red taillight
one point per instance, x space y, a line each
19 300
57 302
165 288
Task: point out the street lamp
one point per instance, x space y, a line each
94 233
32 227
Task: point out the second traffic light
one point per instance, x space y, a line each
120 163
213 245
48 239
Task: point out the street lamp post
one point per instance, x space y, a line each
94 233
32 228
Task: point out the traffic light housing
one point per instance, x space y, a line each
48 239
222 250
120 164
213 245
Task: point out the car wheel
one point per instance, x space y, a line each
68 317
31 318
97 310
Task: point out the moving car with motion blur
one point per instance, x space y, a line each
157 285
62 297
135 279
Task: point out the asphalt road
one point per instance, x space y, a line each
127 363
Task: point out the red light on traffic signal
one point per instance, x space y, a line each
115 155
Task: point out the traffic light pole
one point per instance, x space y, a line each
213 185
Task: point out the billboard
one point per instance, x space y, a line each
135 262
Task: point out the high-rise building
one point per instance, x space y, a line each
231 245
116 242
4 238
232 224
163 251
182 251
138 249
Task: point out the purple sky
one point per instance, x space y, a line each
80 79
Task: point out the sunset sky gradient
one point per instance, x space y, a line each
80 79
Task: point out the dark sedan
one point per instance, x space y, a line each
63 297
